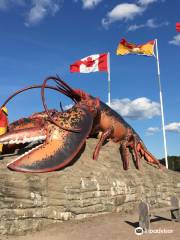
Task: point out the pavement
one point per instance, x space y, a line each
112 226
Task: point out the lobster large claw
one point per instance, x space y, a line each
60 146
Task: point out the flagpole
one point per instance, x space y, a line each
161 104
109 81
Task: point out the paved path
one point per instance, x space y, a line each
106 227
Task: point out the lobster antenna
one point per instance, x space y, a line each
61 107
62 85
32 87
68 93
47 111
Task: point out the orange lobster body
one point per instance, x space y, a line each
114 127
64 133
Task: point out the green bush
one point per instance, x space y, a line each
173 162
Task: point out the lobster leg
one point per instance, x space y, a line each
138 147
124 153
136 152
147 155
127 142
130 141
105 135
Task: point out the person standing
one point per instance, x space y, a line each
3 124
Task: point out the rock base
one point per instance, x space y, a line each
29 202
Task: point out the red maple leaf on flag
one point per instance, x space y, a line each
89 62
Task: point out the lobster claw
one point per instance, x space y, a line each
60 146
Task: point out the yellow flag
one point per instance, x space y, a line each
125 47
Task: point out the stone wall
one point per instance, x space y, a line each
29 202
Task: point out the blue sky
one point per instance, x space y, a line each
43 37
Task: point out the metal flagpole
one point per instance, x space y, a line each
109 81
161 103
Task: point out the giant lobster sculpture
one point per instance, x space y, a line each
64 133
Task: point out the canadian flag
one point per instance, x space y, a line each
92 63
178 26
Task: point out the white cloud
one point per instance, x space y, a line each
68 106
89 4
146 2
152 130
124 11
176 40
139 108
5 4
173 127
127 11
40 9
151 23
